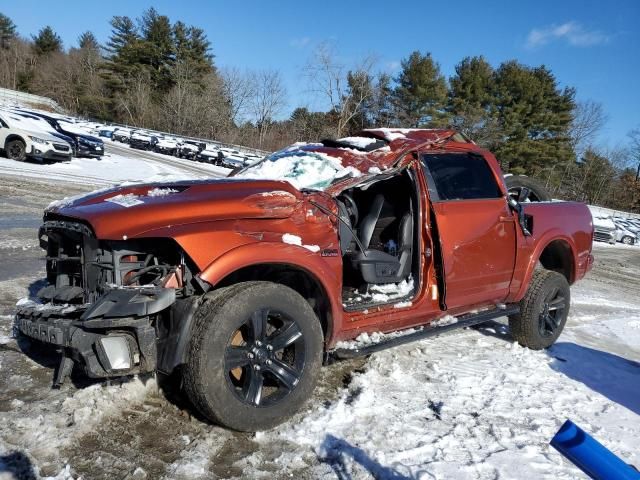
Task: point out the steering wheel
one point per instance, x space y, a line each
352 208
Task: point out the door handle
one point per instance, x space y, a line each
507 218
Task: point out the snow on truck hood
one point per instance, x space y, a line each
130 210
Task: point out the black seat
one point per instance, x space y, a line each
377 266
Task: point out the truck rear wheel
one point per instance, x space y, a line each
543 311
16 150
254 356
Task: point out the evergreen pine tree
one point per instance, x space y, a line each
421 93
123 55
471 100
192 48
157 50
47 41
7 31
88 41
534 117
123 34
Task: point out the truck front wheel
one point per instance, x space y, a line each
543 311
254 356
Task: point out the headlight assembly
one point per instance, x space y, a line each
38 140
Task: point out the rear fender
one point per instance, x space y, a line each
518 290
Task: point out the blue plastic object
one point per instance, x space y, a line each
591 456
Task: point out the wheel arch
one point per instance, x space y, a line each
555 252
558 256
309 275
11 137
294 277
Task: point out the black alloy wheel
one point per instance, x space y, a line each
265 358
552 313
16 150
543 310
254 355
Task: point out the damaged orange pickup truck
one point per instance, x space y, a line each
245 285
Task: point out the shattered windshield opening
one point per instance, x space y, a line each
303 169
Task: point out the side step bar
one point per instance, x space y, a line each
426 332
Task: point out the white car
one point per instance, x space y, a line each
604 230
626 232
21 139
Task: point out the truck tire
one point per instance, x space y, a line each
543 311
526 189
627 240
16 150
254 356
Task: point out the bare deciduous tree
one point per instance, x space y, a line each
329 78
268 99
588 119
135 102
238 88
634 150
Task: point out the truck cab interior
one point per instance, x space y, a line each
379 240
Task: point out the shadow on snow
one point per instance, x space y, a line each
337 453
612 376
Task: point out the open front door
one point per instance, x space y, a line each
476 228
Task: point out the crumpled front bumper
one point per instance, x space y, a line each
112 337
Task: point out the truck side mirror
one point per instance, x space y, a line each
522 218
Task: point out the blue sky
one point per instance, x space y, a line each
591 45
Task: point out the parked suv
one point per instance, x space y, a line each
85 145
190 149
143 141
210 155
168 146
20 140
122 135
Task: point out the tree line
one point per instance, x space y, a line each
159 74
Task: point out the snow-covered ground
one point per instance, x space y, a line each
471 404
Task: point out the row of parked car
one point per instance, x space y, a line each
616 229
28 134
43 136
180 147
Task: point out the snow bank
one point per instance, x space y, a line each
312 170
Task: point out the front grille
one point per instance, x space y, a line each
80 268
60 147
71 250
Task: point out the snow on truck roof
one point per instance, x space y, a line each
319 165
